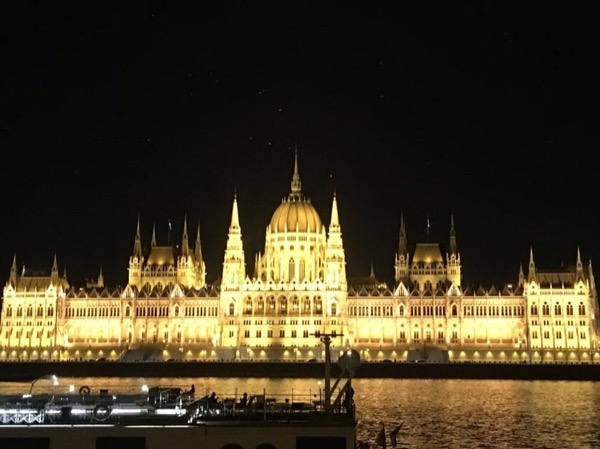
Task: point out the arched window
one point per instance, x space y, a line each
40 311
581 309
318 304
557 309
306 305
569 309
176 311
534 309
454 310
292 267
248 305
231 309
271 304
19 311
333 309
545 309
401 310
29 310
261 304
295 304
283 305
9 311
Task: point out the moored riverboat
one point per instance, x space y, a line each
161 416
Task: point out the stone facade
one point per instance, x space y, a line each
299 288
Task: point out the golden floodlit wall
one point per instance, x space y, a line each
299 287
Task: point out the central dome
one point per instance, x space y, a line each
295 214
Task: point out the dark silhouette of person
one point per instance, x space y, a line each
192 390
244 400
349 398
212 402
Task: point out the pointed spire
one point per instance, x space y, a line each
521 274
296 184
100 282
453 246
184 239
235 218
234 266
579 266
335 259
198 246
403 245
427 230
531 262
13 271
335 221
153 242
372 275
137 245
531 274
54 274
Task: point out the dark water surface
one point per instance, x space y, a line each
435 413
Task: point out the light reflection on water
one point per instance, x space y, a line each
437 413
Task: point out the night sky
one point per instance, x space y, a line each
485 110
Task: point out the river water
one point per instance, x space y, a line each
440 413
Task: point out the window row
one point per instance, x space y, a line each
558 335
282 333
558 309
39 311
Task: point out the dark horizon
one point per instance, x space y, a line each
481 111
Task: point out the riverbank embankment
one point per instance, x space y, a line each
23 371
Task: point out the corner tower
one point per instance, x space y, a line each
234 263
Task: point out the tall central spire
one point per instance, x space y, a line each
296 184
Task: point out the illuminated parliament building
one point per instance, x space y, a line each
297 289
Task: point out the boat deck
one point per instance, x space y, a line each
164 406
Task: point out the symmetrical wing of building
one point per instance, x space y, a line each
298 288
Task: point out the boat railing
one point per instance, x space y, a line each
159 401
232 405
